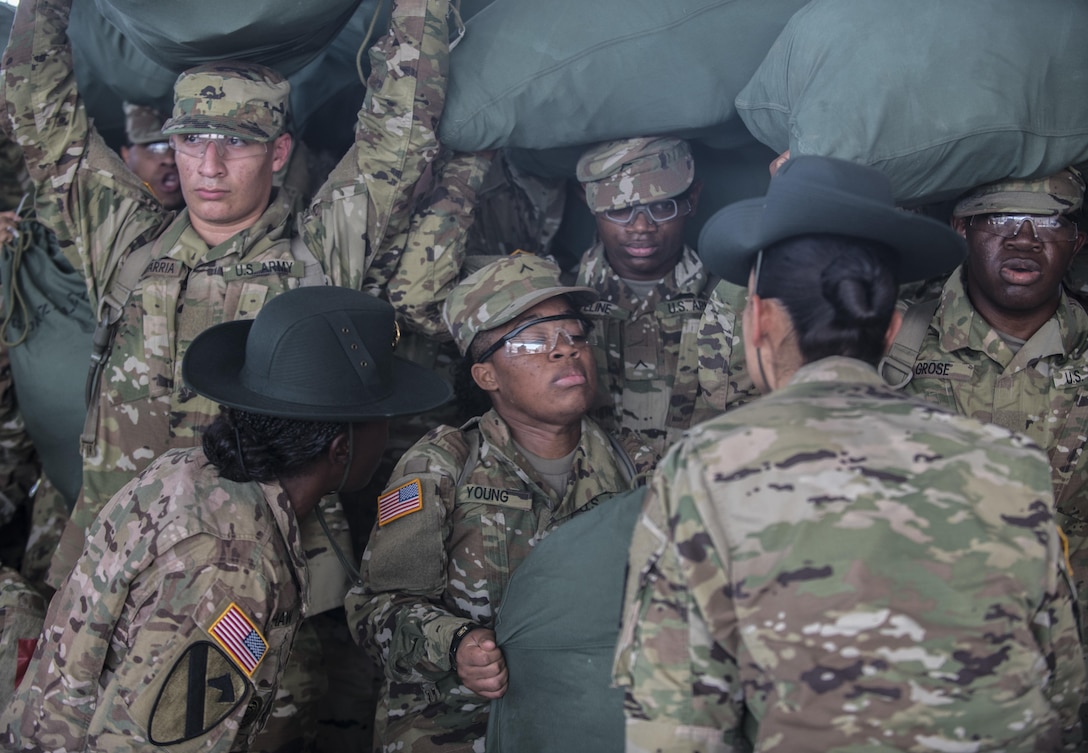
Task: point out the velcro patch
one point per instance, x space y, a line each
1069 378
240 637
397 503
204 687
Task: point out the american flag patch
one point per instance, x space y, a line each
240 637
400 502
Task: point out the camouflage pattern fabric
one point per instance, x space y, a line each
837 568
1042 391
517 211
48 515
22 610
19 465
431 571
233 98
14 180
433 258
1060 193
100 212
131 654
646 348
724 381
626 172
143 124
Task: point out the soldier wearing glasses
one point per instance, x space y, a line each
236 245
1005 343
653 289
148 154
466 505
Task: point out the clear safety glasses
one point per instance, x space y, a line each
533 337
227 147
655 212
158 147
1044 228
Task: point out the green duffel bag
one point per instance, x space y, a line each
557 628
47 328
942 96
549 74
282 34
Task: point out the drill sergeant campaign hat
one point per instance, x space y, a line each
623 173
1060 193
498 292
232 98
812 195
315 353
143 124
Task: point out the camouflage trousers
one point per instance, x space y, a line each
427 719
22 613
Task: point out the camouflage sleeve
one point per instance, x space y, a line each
399 615
98 209
679 682
434 244
1057 628
151 636
367 198
724 381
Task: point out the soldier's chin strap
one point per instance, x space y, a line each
356 576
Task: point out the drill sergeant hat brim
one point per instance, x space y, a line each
1060 193
819 195
143 124
317 353
500 291
623 173
246 100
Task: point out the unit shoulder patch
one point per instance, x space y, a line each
204 687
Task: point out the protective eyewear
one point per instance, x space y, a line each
159 148
531 339
655 212
227 147
1052 228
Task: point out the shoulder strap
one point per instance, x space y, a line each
111 306
473 438
626 465
897 366
314 273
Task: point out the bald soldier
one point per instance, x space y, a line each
653 288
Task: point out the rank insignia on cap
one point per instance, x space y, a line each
399 502
240 637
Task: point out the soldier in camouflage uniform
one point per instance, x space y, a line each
1005 342
653 289
174 628
835 566
236 245
467 504
149 155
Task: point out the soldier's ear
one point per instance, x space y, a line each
484 376
959 224
281 151
693 194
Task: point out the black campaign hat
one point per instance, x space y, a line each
812 195
313 353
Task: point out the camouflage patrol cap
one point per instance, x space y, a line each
626 172
234 98
496 293
1060 193
143 124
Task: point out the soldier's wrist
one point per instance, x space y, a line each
455 641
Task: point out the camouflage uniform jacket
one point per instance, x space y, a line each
1041 391
133 654
835 567
101 212
431 571
646 348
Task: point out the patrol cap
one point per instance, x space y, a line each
1060 193
498 292
233 98
626 172
143 124
316 353
813 195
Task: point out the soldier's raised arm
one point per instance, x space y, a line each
97 207
367 198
